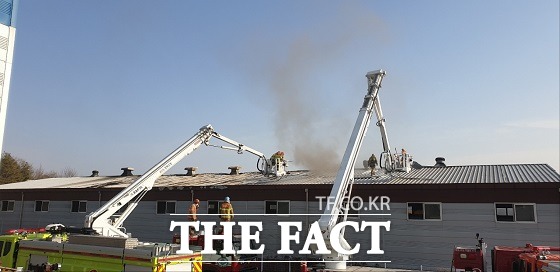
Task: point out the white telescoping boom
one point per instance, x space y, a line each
390 162
342 186
105 221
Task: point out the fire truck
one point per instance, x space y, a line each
57 250
506 258
538 259
103 243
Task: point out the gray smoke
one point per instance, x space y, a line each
298 112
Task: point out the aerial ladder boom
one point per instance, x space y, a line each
275 167
389 161
381 124
345 175
107 222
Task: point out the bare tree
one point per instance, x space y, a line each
68 172
40 173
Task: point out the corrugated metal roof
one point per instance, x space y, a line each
469 174
475 174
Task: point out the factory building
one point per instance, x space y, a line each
430 209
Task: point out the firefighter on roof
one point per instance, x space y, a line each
226 210
403 157
277 156
372 163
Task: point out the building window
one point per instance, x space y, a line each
42 206
424 211
165 207
511 212
7 205
214 206
79 206
277 207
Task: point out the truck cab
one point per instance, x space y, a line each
8 249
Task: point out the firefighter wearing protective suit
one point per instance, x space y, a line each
192 213
277 156
226 210
372 163
193 209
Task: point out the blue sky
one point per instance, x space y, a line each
105 85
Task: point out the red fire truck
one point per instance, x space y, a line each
506 258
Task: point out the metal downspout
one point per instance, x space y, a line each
21 211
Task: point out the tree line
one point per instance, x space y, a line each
13 169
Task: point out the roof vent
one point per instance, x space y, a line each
191 171
234 170
416 165
94 173
127 171
440 162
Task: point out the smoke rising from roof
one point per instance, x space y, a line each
311 137
295 114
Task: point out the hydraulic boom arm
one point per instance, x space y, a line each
389 161
107 223
345 176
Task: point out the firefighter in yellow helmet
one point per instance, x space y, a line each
226 210
278 155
